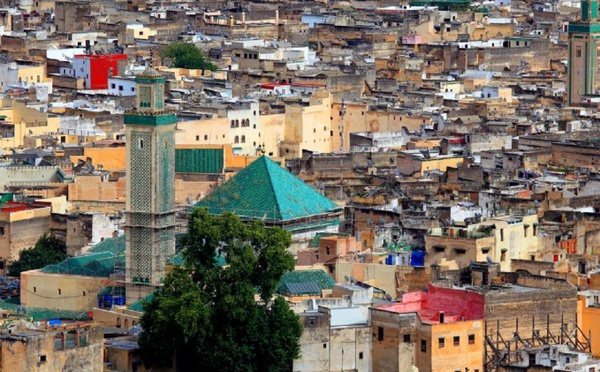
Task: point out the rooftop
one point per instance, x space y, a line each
265 190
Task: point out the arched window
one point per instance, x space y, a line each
236 139
243 139
233 123
118 322
126 323
237 123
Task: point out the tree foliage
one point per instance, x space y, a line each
209 315
48 250
186 55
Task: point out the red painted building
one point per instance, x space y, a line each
96 68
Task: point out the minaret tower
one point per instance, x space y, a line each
150 215
584 54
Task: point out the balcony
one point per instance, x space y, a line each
460 233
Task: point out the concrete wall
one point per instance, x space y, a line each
59 291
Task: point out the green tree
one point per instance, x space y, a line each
48 250
209 316
186 55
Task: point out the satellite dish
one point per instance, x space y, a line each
347 278
489 260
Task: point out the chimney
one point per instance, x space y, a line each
243 18
277 16
435 273
441 317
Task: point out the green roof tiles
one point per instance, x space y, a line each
101 260
267 191
319 277
112 245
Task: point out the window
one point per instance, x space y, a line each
534 230
328 252
59 291
324 346
197 138
237 123
380 334
141 144
456 340
42 358
424 346
407 337
243 139
578 52
233 123
236 139
206 137
360 355
525 230
471 339
112 86
34 289
72 340
83 293
120 88
501 235
441 342
59 341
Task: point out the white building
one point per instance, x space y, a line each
121 86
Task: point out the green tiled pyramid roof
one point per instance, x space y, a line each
267 191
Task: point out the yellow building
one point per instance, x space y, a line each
139 31
308 127
588 317
24 121
515 238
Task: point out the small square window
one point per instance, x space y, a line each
360 355
407 337
424 346
42 358
441 342
471 339
380 334
456 340
324 346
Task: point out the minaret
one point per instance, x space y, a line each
584 52
150 216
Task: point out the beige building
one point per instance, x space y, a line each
21 225
502 239
334 339
308 127
69 346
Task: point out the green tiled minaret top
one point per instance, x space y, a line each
150 101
